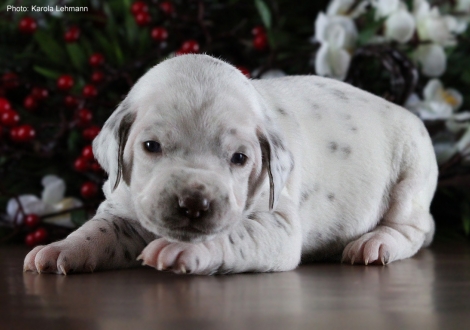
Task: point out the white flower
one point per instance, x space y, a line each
431 25
384 8
444 147
337 35
432 59
463 6
52 200
438 103
400 25
343 8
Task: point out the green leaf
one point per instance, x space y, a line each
50 47
48 73
79 217
264 12
77 56
73 141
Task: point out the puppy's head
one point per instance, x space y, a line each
192 148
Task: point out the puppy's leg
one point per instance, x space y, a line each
104 242
406 227
266 241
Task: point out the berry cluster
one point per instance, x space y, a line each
10 119
37 235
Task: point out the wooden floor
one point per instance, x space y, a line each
429 291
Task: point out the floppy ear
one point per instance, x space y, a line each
108 146
277 160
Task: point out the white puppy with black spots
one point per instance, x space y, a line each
210 172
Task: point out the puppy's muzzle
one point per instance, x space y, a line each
193 204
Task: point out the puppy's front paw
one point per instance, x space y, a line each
371 248
180 257
60 257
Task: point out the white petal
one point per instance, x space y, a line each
464 143
432 59
412 101
29 203
462 116
463 5
339 7
433 89
456 98
336 36
48 179
385 7
322 65
400 26
339 62
274 73
320 27
53 192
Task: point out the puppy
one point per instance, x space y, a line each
210 172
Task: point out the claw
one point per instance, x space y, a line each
160 266
352 260
366 262
182 269
140 257
62 269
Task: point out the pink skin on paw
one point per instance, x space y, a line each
178 257
371 248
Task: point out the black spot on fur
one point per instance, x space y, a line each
88 238
339 94
122 136
197 262
242 254
233 131
346 151
331 196
354 129
333 146
116 228
282 111
230 238
103 230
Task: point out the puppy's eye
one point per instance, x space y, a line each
152 146
238 158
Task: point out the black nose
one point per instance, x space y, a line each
193 204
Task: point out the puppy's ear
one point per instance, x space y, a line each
277 160
109 145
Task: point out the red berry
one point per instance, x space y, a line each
89 189
40 235
87 152
23 133
97 76
96 59
27 25
70 101
139 7
260 42
89 91
30 240
91 132
167 7
65 82
72 34
95 167
10 118
84 117
30 103
31 220
143 18
39 93
81 164
245 71
4 105
189 46
10 80
258 30
159 33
